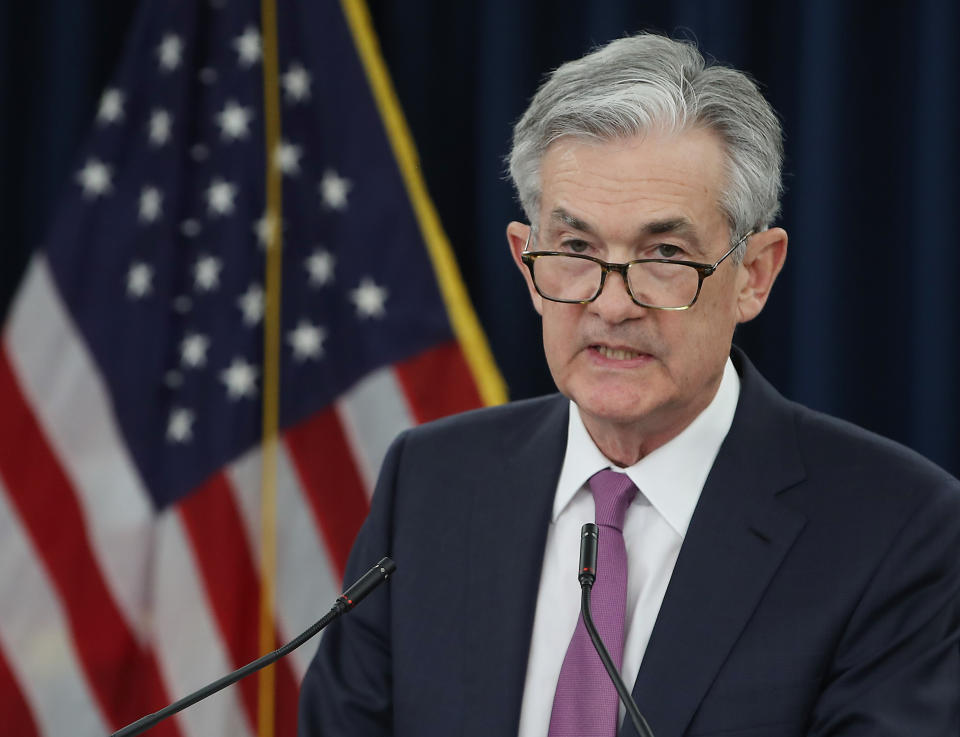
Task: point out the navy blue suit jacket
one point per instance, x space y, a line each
817 591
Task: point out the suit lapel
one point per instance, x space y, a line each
511 507
737 539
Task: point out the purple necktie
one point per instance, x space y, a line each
585 704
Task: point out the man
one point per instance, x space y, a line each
785 573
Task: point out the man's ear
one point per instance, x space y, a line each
517 234
766 252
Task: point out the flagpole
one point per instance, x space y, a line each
266 693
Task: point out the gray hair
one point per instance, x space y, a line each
647 82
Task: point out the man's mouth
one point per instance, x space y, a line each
616 354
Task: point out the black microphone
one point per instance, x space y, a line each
367 583
589 535
589 540
345 602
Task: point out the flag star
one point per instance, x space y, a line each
139 280
170 52
306 340
369 298
248 47
265 228
251 305
151 204
334 189
159 127
180 425
111 107
287 158
206 273
234 120
320 265
220 196
240 379
193 350
95 178
296 83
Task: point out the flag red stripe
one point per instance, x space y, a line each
287 703
438 382
330 479
123 677
17 718
232 582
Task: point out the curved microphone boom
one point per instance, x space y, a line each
589 541
345 602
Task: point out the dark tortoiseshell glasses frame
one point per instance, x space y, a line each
703 271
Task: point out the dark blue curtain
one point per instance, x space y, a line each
55 58
863 323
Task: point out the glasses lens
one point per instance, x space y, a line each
663 285
566 278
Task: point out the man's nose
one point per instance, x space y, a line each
614 304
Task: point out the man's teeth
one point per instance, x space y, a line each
616 353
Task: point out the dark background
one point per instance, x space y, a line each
865 319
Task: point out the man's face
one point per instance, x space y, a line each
633 369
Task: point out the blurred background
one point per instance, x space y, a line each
865 320
131 551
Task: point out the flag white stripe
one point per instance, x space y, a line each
72 405
372 413
304 592
34 635
187 641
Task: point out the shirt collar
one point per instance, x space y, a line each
671 477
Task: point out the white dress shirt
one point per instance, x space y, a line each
669 480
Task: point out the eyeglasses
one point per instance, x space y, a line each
655 283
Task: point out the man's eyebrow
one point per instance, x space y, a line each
679 226
571 221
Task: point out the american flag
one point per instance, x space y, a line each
131 370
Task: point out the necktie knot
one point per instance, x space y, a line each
612 494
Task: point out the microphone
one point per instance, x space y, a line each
344 603
589 536
589 540
366 583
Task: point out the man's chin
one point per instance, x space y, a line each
608 405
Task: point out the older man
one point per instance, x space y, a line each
764 570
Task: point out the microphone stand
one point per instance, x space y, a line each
345 602
588 566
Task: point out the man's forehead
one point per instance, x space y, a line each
661 183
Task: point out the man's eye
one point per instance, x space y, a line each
667 250
574 246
